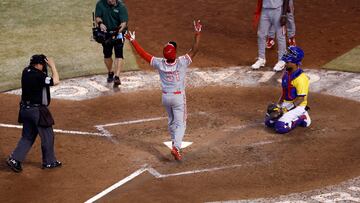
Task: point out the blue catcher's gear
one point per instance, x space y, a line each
294 55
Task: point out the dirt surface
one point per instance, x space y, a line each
224 123
225 131
325 29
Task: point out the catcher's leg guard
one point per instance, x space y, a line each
306 121
299 122
281 127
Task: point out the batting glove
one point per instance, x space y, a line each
130 35
197 26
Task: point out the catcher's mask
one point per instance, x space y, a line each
274 111
170 51
39 59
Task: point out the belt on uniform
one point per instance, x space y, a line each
30 105
177 92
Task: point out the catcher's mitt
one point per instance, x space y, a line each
274 111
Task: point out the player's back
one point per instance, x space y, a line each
172 75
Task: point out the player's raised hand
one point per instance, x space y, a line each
130 35
197 26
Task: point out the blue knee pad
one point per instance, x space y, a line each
281 127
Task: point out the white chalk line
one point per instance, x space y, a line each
156 174
261 143
101 128
132 122
116 185
55 130
143 120
106 133
266 76
241 127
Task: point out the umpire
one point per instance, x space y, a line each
34 114
111 18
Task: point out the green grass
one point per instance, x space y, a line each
348 62
60 29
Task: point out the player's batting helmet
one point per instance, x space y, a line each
294 55
170 51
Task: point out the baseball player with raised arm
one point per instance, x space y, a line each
172 71
291 110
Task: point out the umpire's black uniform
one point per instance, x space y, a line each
35 116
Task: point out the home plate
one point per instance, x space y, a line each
183 145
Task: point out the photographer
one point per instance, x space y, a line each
34 114
111 18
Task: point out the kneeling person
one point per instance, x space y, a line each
291 110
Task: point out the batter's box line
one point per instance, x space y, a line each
104 132
157 175
73 132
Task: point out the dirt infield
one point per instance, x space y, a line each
225 123
225 130
325 29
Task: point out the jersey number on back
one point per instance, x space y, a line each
171 76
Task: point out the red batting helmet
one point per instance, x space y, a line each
170 51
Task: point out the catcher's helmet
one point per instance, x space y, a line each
294 55
170 51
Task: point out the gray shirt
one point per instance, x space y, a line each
172 76
272 3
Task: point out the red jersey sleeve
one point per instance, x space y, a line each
146 56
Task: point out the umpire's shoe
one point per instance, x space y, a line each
117 81
52 165
14 165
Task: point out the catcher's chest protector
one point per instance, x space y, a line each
289 91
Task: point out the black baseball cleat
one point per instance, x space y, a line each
52 165
110 77
14 165
117 81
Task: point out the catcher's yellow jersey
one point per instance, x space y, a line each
301 84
